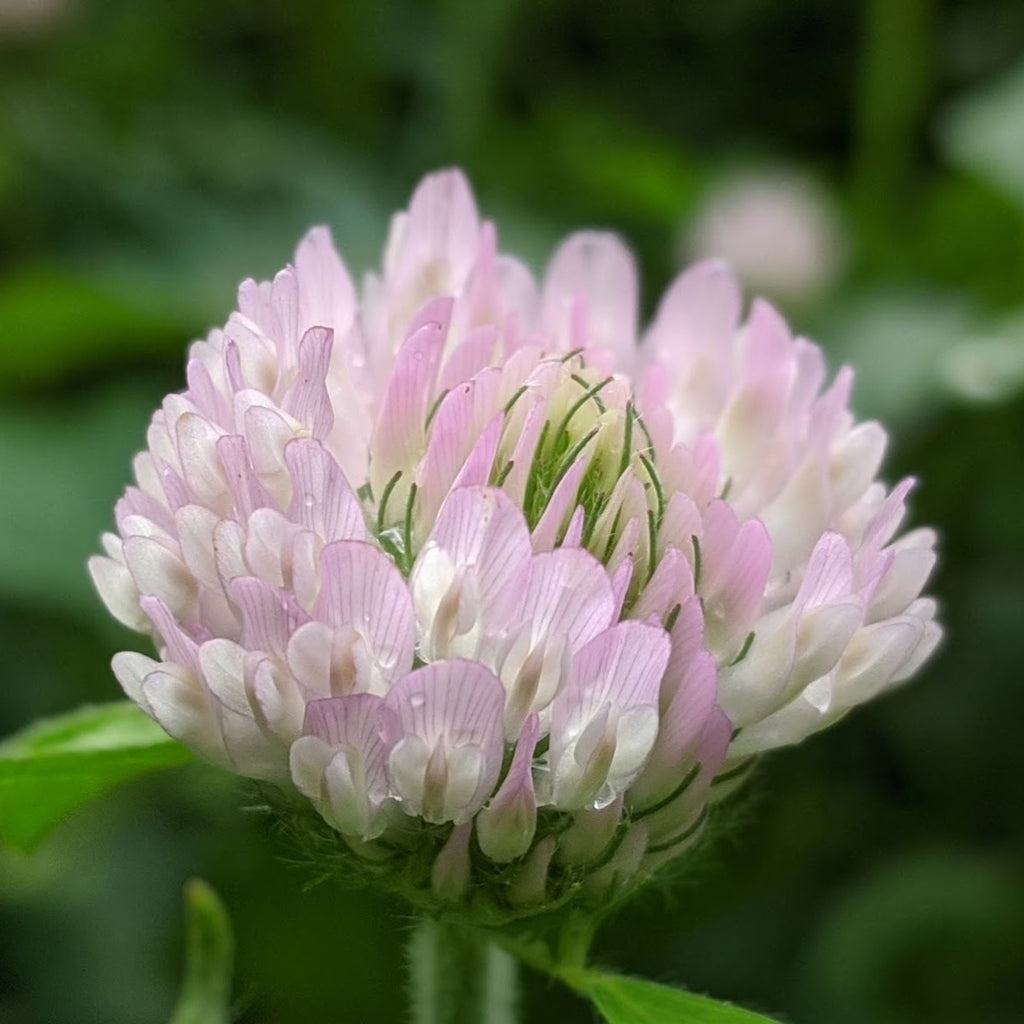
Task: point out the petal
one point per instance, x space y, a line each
362 588
131 670
118 590
270 615
463 583
308 399
506 826
398 434
322 499
435 243
160 572
693 334
182 707
597 271
443 730
327 297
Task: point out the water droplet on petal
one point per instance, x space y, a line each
309 501
417 700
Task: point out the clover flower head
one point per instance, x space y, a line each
504 590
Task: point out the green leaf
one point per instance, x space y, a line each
55 765
624 1000
59 319
209 956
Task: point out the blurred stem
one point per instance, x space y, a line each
209 955
458 976
472 44
895 83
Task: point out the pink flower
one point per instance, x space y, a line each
471 568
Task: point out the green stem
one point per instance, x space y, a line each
891 105
458 976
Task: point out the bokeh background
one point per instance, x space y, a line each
863 165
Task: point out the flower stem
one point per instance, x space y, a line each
458 976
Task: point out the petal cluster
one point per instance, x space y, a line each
496 583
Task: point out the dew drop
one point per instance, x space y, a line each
417 700
309 501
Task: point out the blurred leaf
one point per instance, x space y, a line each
209 955
982 133
896 342
63 466
943 925
625 1000
55 765
55 321
988 367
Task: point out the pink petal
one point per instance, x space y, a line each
506 826
248 494
322 499
308 399
472 355
604 724
439 234
399 431
695 328
339 762
480 546
362 588
327 297
569 595
459 420
269 615
443 729
179 647
598 271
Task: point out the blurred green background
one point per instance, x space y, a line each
155 152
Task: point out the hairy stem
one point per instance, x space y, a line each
458 976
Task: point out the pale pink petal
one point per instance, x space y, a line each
322 499
595 269
362 588
327 297
435 243
473 354
443 729
459 420
247 493
160 572
270 614
464 578
184 710
505 827
604 724
339 763
694 331
118 590
308 399
399 431
131 670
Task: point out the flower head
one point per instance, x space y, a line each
499 588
